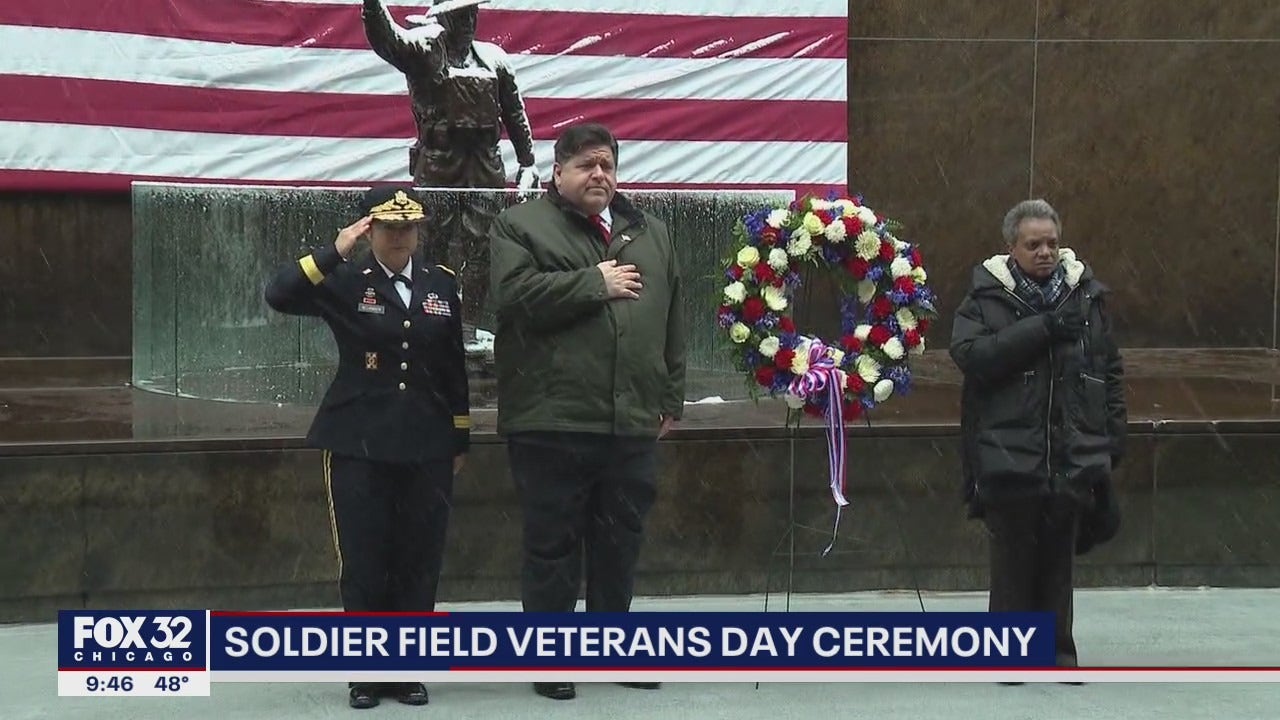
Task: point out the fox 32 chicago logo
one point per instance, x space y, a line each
131 639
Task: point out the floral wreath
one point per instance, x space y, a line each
884 315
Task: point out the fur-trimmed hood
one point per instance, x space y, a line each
994 272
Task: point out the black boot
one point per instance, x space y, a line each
412 694
641 685
555 690
362 697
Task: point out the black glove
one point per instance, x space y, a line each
1066 324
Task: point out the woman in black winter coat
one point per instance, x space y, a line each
1042 415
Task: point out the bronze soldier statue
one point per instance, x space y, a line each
463 93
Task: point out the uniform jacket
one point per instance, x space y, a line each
1037 416
568 358
400 392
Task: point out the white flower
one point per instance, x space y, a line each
883 390
813 224
777 218
793 401
778 259
899 267
919 275
867 245
849 210
862 332
800 363
770 346
866 291
739 332
800 243
868 369
906 320
820 204
894 349
748 257
735 292
774 298
919 349
836 355
867 217
898 245
835 232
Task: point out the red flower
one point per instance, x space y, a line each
923 326
852 226
825 216
854 383
852 409
752 310
735 272
857 267
912 337
726 310
905 284
882 307
887 253
765 375
812 410
916 261
786 325
879 335
783 358
768 236
764 274
851 344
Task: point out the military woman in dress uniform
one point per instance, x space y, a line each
394 425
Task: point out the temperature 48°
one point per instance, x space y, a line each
171 683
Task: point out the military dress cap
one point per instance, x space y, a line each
393 204
439 8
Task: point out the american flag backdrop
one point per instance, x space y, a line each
701 93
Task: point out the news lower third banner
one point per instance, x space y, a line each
180 653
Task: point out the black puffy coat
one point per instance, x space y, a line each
1038 417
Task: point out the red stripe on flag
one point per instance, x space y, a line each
59 181
320 25
254 112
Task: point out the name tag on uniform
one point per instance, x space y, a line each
375 309
433 305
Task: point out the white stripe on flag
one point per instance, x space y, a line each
165 61
266 158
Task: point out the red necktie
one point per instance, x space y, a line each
604 229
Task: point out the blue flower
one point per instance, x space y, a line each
875 273
769 321
901 377
899 298
753 358
792 280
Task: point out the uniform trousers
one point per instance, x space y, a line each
389 522
584 498
1032 544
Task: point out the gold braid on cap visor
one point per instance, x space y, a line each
400 208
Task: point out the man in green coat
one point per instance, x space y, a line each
590 359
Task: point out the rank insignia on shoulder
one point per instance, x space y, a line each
371 361
367 271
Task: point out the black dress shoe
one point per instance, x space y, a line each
556 690
641 685
412 694
362 697
1011 682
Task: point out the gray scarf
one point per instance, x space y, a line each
1040 295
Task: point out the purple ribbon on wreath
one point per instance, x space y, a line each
824 374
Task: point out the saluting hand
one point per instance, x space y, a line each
347 236
620 281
